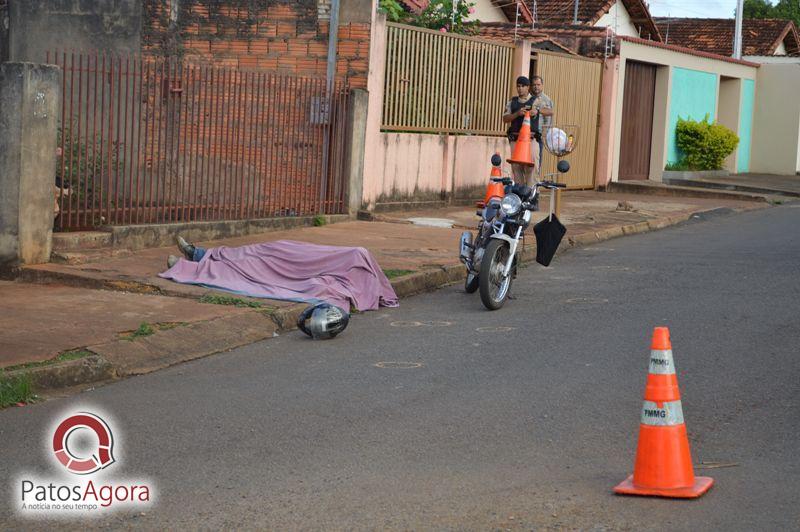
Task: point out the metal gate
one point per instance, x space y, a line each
637 120
574 84
152 140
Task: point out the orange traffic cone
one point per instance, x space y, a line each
494 189
522 149
663 465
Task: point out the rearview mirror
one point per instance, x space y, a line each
563 166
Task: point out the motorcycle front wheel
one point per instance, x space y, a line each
471 283
494 287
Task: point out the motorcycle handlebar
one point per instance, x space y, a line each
551 184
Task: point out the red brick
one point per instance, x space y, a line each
240 47
278 47
346 49
358 82
286 61
218 46
248 62
260 47
317 48
268 29
359 31
270 63
298 48
307 31
359 65
287 29
281 13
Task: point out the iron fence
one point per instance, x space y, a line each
159 140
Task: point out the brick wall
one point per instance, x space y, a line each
276 35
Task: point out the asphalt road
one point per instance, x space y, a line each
425 417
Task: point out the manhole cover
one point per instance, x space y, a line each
432 222
433 323
437 323
613 268
495 329
398 365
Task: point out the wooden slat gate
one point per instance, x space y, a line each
444 83
574 84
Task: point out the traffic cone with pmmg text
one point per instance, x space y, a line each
663 465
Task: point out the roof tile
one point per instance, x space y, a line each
715 35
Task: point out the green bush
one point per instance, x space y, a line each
705 144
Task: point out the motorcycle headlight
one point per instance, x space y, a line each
511 205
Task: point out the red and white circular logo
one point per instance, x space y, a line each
84 462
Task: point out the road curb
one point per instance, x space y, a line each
201 339
90 369
659 189
122 358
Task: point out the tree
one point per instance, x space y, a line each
758 9
394 11
784 9
789 10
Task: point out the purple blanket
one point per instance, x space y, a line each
295 271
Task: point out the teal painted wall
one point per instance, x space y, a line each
746 125
693 95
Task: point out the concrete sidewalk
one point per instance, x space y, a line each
768 184
94 306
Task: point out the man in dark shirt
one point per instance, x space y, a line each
515 115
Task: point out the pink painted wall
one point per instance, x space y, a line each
606 125
407 167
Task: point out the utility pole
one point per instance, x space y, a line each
737 37
575 14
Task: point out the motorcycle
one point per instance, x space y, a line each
491 259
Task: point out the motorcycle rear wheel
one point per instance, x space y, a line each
493 286
471 283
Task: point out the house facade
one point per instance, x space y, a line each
656 84
775 45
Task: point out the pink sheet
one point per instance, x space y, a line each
291 270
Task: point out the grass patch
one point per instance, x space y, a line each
214 299
16 389
167 325
319 221
145 329
391 274
149 329
680 166
73 354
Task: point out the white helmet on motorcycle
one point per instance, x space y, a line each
323 321
556 140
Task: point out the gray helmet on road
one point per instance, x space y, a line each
323 321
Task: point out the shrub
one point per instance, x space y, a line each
394 11
705 144
439 15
